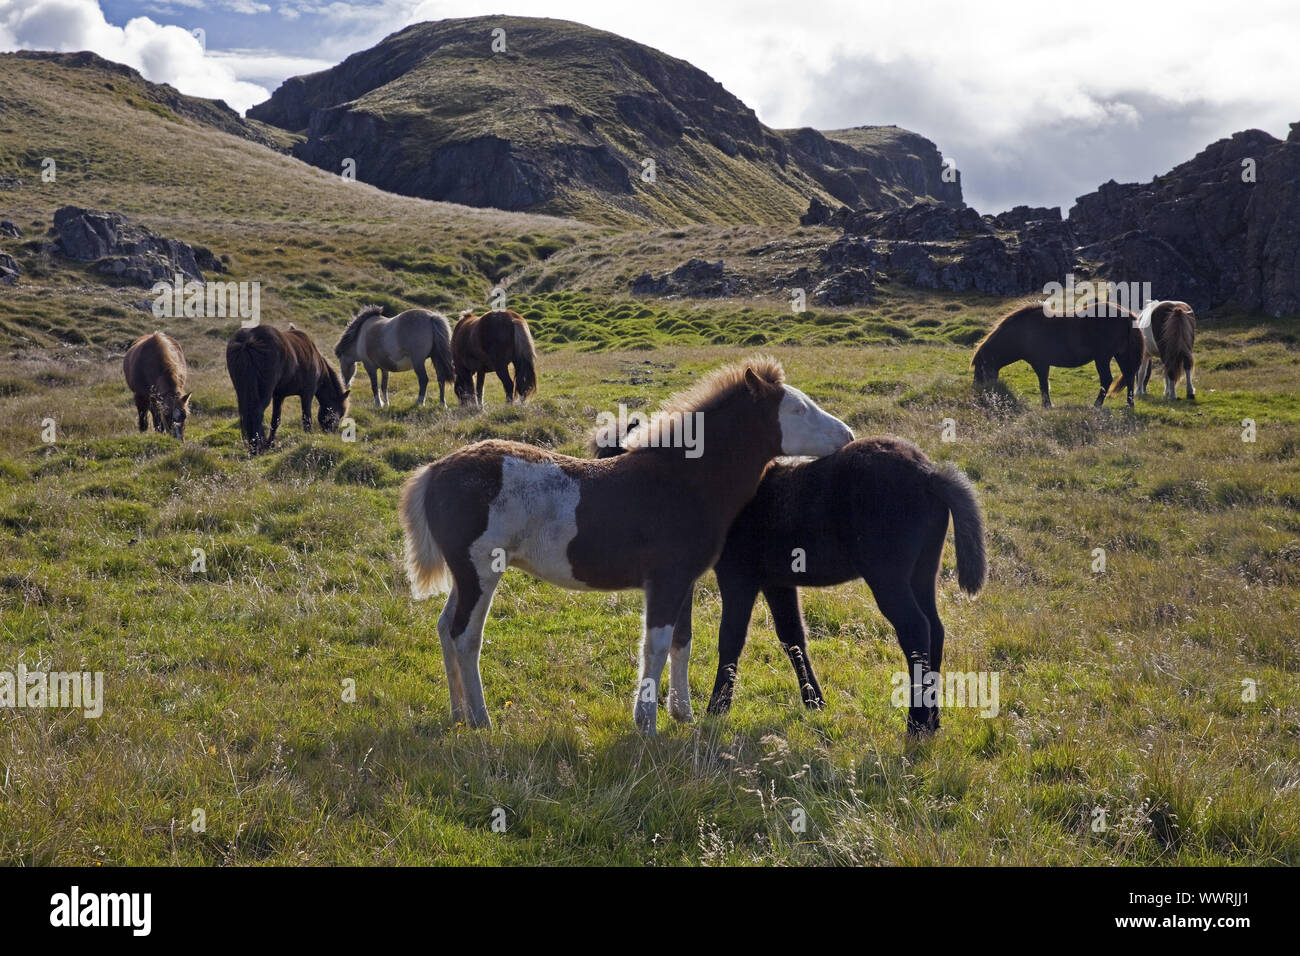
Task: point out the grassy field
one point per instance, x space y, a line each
225 689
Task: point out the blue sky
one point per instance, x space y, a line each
1035 103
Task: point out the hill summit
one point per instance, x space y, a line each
551 116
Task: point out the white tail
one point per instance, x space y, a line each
426 568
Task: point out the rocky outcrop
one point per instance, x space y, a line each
10 270
1222 228
565 120
9 230
124 250
695 278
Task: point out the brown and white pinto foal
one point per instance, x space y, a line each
654 518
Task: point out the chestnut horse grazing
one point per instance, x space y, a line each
654 519
876 509
266 366
156 373
490 343
1169 329
404 341
1033 335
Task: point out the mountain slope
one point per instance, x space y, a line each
565 119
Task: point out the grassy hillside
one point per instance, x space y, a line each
225 687
562 120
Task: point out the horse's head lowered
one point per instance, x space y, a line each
332 398
174 410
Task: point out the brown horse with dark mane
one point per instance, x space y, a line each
1033 334
156 374
267 366
652 519
877 509
491 342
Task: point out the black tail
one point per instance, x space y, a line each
443 366
1135 350
249 365
955 490
525 361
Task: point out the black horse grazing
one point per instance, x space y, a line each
490 343
266 366
876 509
1033 335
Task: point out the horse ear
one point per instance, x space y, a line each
185 399
347 392
756 384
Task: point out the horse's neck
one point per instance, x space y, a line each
732 457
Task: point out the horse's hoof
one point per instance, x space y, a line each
814 703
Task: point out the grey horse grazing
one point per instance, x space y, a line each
396 344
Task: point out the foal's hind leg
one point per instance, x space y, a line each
383 384
788 621
1103 373
455 686
478 387
679 657
467 635
913 629
1187 371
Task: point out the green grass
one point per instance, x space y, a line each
225 689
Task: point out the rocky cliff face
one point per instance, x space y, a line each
1222 228
567 119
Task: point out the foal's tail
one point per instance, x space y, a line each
1176 344
955 490
441 354
426 567
1135 350
525 361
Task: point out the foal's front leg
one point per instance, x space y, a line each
664 595
373 372
306 411
276 403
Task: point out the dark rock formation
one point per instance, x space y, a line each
849 287
124 250
695 279
8 229
10 270
1020 216
920 222
1204 232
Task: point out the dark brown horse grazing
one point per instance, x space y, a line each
266 366
654 519
1035 336
156 373
490 343
876 509
1169 330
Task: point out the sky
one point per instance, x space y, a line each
1036 103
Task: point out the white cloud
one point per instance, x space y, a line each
163 54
